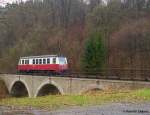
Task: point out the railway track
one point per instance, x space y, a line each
88 76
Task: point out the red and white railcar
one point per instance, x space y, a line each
43 63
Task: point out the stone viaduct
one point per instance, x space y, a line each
33 86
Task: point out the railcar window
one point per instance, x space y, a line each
19 61
54 60
44 61
22 61
33 61
40 61
26 61
48 61
37 61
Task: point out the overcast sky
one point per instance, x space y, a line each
4 2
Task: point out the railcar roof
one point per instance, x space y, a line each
41 56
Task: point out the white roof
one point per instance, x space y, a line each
41 56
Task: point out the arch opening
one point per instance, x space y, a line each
19 90
48 89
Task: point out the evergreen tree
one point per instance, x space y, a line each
93 59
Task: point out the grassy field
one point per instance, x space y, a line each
55 102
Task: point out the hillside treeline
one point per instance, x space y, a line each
39 27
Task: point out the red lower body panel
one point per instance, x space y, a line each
43 67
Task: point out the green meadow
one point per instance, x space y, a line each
52 102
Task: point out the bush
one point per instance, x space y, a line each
3 89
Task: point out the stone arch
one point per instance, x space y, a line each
19 88
91 88
48 88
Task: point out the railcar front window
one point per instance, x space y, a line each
62 61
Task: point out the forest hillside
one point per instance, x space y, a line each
40 27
